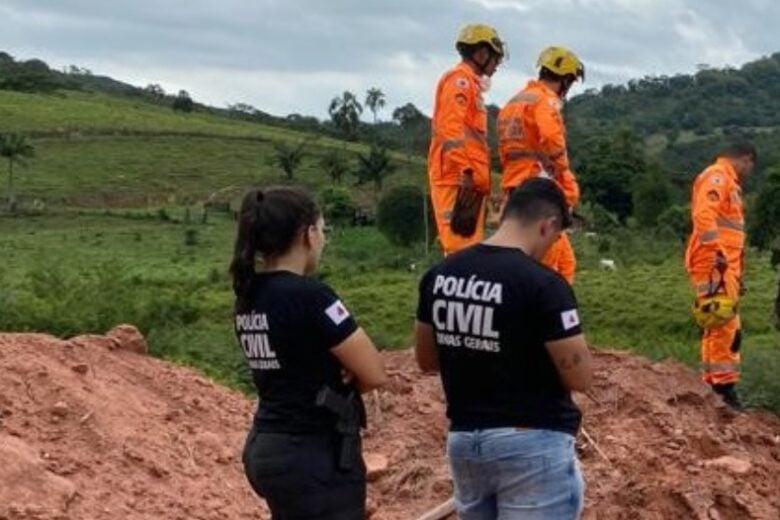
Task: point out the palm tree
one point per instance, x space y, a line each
335 164
345 112
15 148
289 157
375 101
374 167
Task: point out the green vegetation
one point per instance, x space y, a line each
70 274
132 220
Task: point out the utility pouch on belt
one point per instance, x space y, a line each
351 416
465 213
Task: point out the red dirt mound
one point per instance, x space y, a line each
96 431
659 445
91 429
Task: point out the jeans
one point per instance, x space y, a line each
299 477
515 473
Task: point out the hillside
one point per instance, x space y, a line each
98 150
92 428
685 118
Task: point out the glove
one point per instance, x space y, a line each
468 204
721 264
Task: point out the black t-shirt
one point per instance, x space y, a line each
293 323
492 309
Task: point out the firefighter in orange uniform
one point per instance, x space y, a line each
532 139
715 263
459 154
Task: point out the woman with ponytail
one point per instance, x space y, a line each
309 360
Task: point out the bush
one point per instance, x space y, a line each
677 220
400 215
337 205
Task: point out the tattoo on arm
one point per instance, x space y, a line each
570 364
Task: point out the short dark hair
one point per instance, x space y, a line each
536 199
739 150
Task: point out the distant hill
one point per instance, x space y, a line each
687 117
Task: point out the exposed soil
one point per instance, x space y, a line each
91 428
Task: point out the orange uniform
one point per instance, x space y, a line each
532 142
718 227
458 143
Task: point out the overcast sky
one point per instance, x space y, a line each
286 56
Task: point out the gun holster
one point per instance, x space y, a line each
350 417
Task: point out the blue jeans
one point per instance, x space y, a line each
511 473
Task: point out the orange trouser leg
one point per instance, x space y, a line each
720 356
560 258
443 198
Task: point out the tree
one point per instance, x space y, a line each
15 148
375 101
183 102
764 224
408 116
607 165
652 195
155 91
335 164
374 167
345 113
288 157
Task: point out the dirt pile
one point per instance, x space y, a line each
657 444
92 430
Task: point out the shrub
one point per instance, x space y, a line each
337 205
400 215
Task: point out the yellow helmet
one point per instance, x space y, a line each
475 33
714 311
562 62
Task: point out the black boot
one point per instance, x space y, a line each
729 394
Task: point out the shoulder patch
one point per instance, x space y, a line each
570 319
337 312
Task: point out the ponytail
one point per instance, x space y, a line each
268 223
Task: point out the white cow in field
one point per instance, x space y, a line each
607 264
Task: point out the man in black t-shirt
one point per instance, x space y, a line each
505 333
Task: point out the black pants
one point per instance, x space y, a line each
299 477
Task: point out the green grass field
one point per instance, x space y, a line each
71 274
94 150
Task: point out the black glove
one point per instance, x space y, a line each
465 214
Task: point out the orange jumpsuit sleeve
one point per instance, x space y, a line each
570 187
454 99
552 137
708 196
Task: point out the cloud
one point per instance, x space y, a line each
288 56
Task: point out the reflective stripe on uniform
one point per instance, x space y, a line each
719 367
476 134
525 97
516 155
449 144
706 287
708 236
728 223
